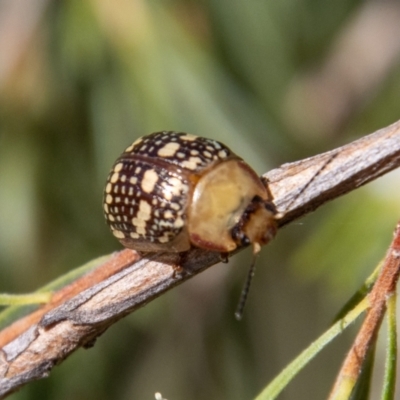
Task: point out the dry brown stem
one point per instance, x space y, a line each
384 287
83 310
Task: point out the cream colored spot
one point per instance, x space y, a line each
105 206
111 217
123 178
191 163
180 155
114 177
222 154
118 234
138 222
145 207
137 170
143 214
167 194
141 230
134 235
178 223
173 188
207 154
216 145
118 199
175 206
118 167
163 239
194 152
177 186
133 180
109 199
189 137
144 210
130 191
168 214
123 189
169 149
130 148
108 188
116 188
149 180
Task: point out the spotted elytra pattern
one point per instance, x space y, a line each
171 190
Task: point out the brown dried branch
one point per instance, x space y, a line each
83 310
384 287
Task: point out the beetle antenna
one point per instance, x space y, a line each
246 286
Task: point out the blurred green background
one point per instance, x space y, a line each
274 80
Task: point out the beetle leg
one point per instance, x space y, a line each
224 257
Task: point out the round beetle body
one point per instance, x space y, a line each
169 191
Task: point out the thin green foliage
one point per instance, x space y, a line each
24 299
19 307
362 388
389 381
281 381
361 293
348 389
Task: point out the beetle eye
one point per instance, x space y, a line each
239 236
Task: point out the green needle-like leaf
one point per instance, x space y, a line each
362 387
360 294
18 303
389 382
281 381
24 299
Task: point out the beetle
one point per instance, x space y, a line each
169 191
